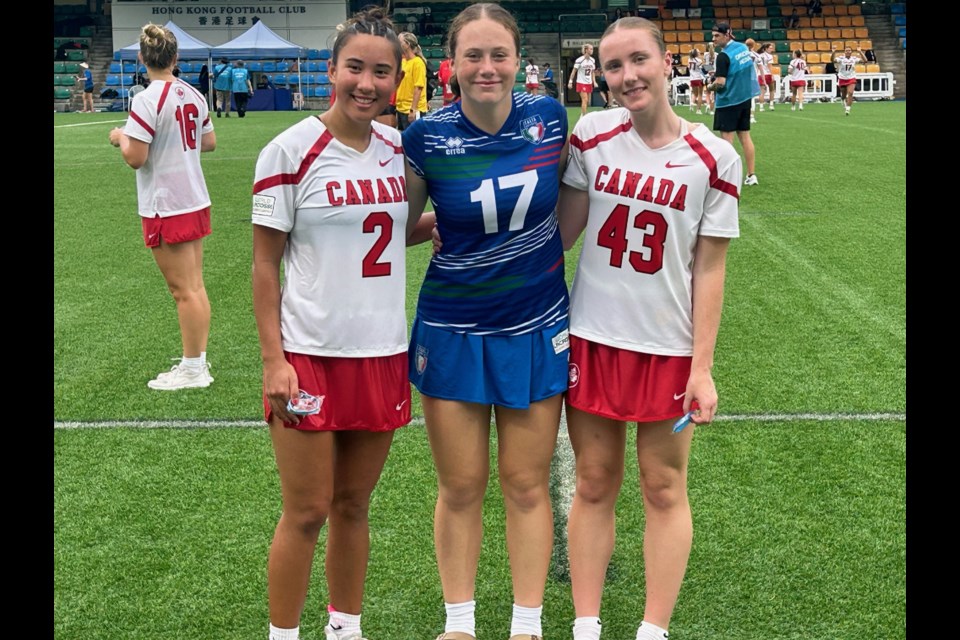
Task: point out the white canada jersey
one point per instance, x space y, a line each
585 66
171 117
533 74
757 62
798 69
766 59
344 289
695 65
648 207
847 67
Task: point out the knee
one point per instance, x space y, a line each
664 490
307 518
353 507
525 489
598 484
463 492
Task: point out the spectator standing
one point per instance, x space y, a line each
204 81
168 128
241 86
549 84
412 91
86 76
532 77
222 82
445 76
584 77
736 86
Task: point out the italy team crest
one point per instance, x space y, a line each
532 129
421 358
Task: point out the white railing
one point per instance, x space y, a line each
870 86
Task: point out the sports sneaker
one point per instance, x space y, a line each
801 107
793 108
761 108
455 635
771 106
179 377
753 120
751 179
331 634
699 113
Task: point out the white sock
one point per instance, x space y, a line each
203 357
650 631
344 624
587 628
277 633
192 364
460 617
526 620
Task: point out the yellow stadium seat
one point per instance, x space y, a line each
809 45
829 10
795 44
860 68
669 25
866 44
823 45
805 23
817 68
685 47
696 36
747 12
844 21
683 25
684 60
670 37
834 34
836 45
841 10
683 36
858 21
757 3
696 25
734 12
861 33
738 23
813 58
720 13
793 34
807 34
817 23
873 68
775 71
830 23
853 10
820 34
848 33
853 44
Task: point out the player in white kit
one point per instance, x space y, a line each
766 78
167 129
583 68
798 80
330 203
847 74
656 198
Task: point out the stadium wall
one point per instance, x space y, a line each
308 23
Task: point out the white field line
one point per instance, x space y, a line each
238 423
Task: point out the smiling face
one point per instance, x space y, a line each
365 75
485 62
636 67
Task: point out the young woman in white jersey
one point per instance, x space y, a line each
751 45
169 126
847 73
695 64
329 203
583 76
657 197
709 69
766 75
798 80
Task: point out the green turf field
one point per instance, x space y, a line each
165 503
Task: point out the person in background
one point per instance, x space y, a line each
411 93
736 86
583 74
168 128
846 69
798 80
86 77
549 84
222 82
644 316
767 85
793 21
695 65
602 87
336 328
489 340
531 77
203 80
241 87
709 73
751 46
445 76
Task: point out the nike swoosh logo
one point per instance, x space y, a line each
384 163
670 165
400 405
677 396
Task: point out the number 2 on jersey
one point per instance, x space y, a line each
487 197
613 236
371 267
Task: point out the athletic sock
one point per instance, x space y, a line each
277 633
203 357
192 364
587 628
526 620
460 617
650 631
344 624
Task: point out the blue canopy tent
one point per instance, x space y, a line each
260 42
188 48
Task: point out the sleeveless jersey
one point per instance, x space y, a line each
171 117
633 285
500 271
344 289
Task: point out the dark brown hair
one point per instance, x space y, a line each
371 21
478 11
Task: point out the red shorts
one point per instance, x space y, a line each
768 80
696 83
360 394
626 385
531 85
798 83
182 228
584 88
847 82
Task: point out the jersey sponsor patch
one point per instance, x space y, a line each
263 205
561 341
532 129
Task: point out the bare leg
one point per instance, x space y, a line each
182 267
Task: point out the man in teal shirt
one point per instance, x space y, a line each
242 87
222 80
735 86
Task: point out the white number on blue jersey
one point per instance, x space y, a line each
487 198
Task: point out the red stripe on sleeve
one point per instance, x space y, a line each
163 96
584 145
143 124
711 162
295 178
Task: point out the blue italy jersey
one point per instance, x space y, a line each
500 271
